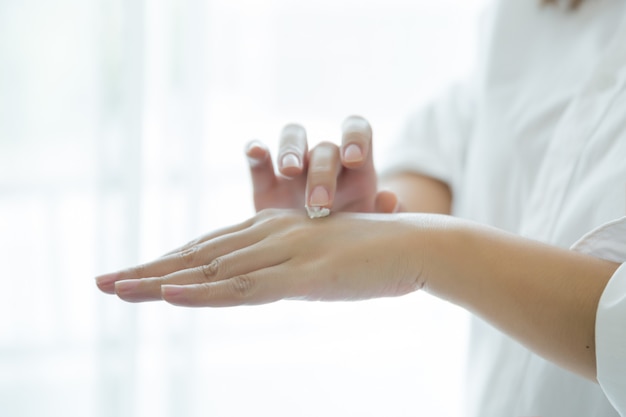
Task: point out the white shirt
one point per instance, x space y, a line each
536 145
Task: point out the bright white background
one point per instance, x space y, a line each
122 128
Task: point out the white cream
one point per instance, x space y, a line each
316 212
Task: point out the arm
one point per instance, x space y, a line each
544 297
419 193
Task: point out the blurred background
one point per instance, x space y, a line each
122 129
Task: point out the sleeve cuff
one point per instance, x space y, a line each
611 340
609 242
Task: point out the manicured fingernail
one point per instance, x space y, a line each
253 145
255 153
127 286
172 291
290 160
319 197
353 153
106 281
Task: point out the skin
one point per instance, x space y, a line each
344 177
377 244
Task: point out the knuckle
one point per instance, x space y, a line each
243 286
191 243
207 292
188 256
210 270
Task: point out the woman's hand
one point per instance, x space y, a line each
282 254
327 176
543 296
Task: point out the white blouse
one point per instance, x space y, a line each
536 144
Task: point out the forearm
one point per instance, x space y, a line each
543 296
419 193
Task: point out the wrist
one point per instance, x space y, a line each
453 252
429 238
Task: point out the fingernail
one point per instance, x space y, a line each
254 162
106 281
253 144
171 290
126 287
353 153
290 160
255 153
319 197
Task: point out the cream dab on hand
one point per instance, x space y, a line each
316 212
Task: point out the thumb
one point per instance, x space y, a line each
386 202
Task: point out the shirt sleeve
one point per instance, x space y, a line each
609 242
611 340
434 139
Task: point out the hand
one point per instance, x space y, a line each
327 176
282 254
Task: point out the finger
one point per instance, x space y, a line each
192 254
386 202
257 256
214 234
356 143
258 287
324 168
261 167
292 150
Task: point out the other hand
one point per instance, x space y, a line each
327 176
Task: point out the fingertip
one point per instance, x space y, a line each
125 289
106 282
319 197
136 290
356 142
352 155
290 164
356 122
324 168
292 150
387 202
256 152
173 294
